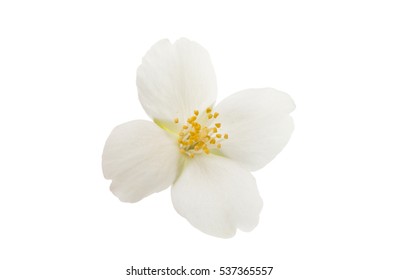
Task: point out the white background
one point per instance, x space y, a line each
67 77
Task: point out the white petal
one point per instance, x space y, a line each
141 159
217 196
258 124
174 80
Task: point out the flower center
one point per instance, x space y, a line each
195 138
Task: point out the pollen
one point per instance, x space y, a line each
199 135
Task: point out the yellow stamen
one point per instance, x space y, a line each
196 138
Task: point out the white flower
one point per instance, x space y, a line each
206 153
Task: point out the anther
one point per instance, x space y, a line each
195 138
